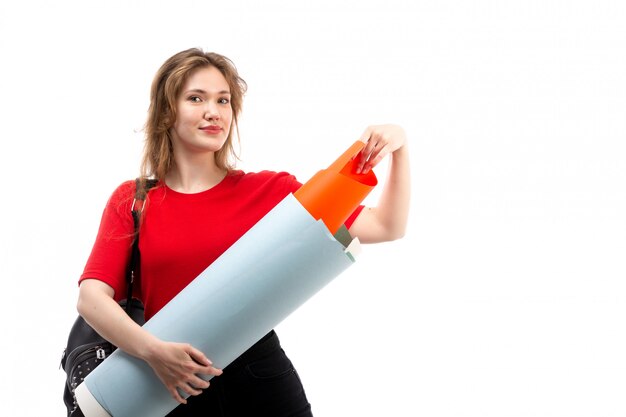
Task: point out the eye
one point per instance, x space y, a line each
195 99
223 101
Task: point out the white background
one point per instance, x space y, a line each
506 297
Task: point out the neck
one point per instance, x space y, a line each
194 176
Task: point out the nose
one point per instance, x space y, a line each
211 112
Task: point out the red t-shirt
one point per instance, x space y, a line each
181 234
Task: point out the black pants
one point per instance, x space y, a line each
261 382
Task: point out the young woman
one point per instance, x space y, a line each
199 208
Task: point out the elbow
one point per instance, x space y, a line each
395 229
384 234
396 234
91 294
81 304
88 293
387 235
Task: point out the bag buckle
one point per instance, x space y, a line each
100 353
139 204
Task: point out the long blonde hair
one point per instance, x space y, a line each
168 82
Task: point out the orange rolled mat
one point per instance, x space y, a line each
334 193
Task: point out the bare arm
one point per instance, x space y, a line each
388 219
176 364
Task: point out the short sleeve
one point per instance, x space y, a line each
111 251
350 220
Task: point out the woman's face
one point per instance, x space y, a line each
204 113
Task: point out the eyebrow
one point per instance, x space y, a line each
201 91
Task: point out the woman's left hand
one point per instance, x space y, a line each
380 140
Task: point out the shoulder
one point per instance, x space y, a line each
124 190
264 179
122 196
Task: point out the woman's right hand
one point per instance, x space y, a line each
178 366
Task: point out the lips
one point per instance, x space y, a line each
211 129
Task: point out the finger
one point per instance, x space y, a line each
199 357
200 383
216 371
366 137
365 153
382 153
206 370
209 370
375 158
191 389
176 395
372 150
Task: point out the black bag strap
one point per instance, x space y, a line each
142 186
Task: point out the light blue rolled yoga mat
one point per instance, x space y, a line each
281 262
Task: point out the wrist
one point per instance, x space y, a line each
148 347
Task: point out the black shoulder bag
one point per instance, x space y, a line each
86 349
